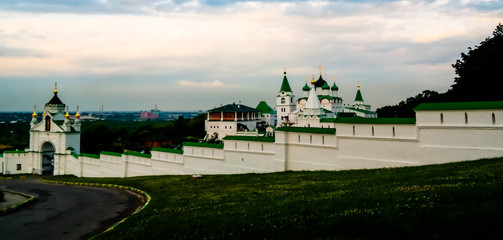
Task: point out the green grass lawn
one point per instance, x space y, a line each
449 201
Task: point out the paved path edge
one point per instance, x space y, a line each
141 192
18 205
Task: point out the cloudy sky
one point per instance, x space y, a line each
194 55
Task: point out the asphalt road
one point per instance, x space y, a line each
65 212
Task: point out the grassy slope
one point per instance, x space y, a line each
450 201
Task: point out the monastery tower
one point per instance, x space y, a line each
284 102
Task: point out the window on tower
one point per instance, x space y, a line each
282 100
47 123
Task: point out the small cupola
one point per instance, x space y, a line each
77 115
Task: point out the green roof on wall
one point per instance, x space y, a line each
460 106
376 120
250 138
307 130
206 145
168 150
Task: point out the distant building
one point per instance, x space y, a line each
230 120
153 114
267 114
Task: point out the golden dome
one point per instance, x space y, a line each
77 115
312 81
34 115
55 87
67 115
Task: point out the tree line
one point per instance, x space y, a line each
479 78
116 136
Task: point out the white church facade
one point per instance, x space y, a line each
440 133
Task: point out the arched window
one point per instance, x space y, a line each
299 138
372 131
354 131
494 118
47 123
441 118
248 146
235 145
466 118
282 100
393 131
322 140
310 138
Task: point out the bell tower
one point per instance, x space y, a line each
284 102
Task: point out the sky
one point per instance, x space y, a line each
196 55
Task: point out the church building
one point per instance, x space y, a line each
52 136
319 105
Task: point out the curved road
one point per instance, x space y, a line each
65 212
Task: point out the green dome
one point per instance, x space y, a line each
335 88
306 88
325 86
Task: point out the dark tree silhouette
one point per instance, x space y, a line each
479 78
480 71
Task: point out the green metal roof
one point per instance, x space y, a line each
358 96
168 150
334 87
90 155
111 153
306 88
18 151
250 138
325 86
307 130
376 120
233 108
263 108
285 86
459 106
360 110
323 96
205 145
328 120
137 154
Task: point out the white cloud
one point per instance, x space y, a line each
246 44
212 84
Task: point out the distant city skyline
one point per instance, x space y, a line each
196 55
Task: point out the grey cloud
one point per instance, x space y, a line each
6 51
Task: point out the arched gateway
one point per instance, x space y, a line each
47 153
54 137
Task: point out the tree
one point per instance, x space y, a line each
480 71
479 78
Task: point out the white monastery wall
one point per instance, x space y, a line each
91 167
249 156
112 166
353 146
73 166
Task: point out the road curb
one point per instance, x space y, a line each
17 206
108 186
